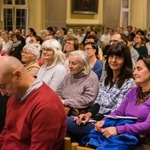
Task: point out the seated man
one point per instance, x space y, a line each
35 117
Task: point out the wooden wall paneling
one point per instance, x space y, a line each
55 13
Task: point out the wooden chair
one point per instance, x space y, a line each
67 143
83 148
73 146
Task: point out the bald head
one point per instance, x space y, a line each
118 38
8 64
14 79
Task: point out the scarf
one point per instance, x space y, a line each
142 97
16 44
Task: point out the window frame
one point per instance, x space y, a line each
14 8
125 10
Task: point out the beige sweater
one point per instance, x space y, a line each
33 69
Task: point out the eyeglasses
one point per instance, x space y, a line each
26 53
69 43
113 41
87 49
137 37
46 49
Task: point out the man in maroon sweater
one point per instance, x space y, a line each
35 116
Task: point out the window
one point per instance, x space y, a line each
20 2
125 14
8 19
15 14
7 1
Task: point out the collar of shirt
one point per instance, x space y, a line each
35 85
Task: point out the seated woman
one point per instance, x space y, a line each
79 87
53 71
118 81
17 46
135 104
29 57
92 50
140 44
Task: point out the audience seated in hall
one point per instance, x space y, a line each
35 117
130 134
117 82
80 87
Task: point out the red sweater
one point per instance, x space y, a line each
36 123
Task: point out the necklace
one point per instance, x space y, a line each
142 97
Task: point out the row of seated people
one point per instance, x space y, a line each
117 82
131 129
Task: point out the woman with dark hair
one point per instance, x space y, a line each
17 46
117 82
137 99
92 50
31 32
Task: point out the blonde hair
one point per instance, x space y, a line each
53 44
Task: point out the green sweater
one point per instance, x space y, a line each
142 50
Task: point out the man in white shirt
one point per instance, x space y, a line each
80 36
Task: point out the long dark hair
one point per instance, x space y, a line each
119 49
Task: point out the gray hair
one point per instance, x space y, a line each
34 50
44 32
84 60
53 44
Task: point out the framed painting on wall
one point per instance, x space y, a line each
85 6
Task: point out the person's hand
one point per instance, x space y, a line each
83 118
63 101
98 125
109 131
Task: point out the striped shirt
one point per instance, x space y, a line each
110 98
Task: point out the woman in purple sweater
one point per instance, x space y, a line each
135 104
